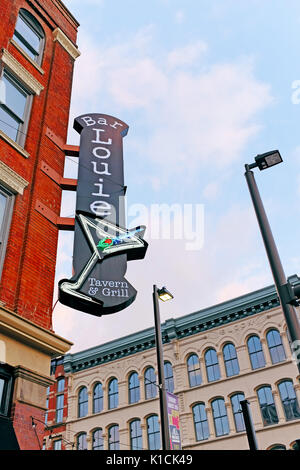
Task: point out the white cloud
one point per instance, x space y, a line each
179 16
187 55
192 117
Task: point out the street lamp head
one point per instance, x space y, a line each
268 159
164 294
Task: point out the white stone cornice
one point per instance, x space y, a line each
11 179
68 45
21 73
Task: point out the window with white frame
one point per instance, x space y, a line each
6 206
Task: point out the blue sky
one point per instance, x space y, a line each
204 87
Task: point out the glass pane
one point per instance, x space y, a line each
25 32
15 97
8 124
3 201
60 385
2 383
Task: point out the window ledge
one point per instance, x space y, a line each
21 72
14 144
17 46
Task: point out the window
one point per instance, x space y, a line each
256 354
200 422
276 349
237 411
6 389
60 387
230 360
136 441
98 443
267 406
82 402
212 365
29 35
153 433
220 417
169 380
82 441
57 444
150 383
97 398
194 372
113 438
6 205
47 405
289 400
14 111
113 394
134 388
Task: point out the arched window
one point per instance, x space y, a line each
194 372
276 348
97 398
153 433
200 422
256 353
134 388
212 365
230 360
113 394
237 411
60 387
277 447
289 400
82 402
29 35
169 380
113 437
136 441
267 406
98 442
150 383
81 441
220 417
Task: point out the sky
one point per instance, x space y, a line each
204 86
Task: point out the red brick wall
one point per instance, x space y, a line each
53 429
29 438
27 278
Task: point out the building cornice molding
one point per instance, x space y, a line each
23 75
179 328
27 332
65 42
13 180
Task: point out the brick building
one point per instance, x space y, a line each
37 54
214 358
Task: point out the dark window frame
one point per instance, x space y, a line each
35 27
202 432
23 121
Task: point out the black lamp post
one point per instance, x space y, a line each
163 295
287 294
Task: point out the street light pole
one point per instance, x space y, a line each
273 256
164 420
249 425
